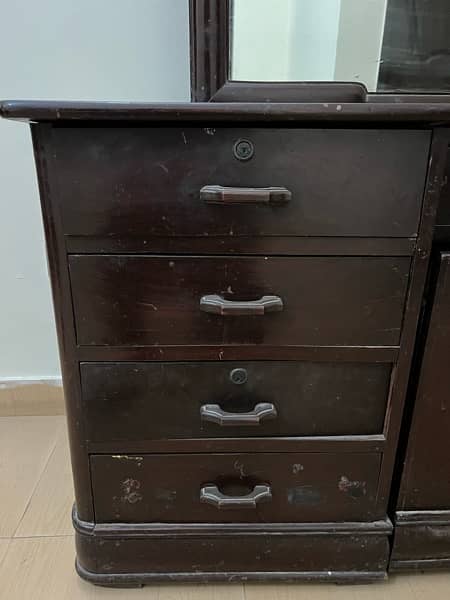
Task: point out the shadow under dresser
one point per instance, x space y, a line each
237 290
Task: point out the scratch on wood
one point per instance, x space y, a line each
240 468
149 304
127 457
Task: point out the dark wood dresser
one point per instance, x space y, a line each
422 518
237 289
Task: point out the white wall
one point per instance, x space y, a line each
67 49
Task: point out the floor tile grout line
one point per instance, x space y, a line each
412 590
33 491
2 558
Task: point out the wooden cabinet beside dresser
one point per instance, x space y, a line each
422 517
237 290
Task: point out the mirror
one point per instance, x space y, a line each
388 45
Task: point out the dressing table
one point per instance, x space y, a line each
237 288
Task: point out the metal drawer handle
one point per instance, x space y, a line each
211 494
217 194
214 414
219 306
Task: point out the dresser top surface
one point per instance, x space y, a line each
430 110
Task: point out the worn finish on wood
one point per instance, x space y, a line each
423 110
325 551
209 46
349 296
426 480
142 401
422 534
308 246
61 292
267 557
344 443
148 182
42 567
422 539
419 270
166 488
443 215
138 301
373 354
204 530
298 91
442 228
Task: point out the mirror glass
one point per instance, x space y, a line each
389 45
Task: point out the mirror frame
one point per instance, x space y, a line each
209 47
210 67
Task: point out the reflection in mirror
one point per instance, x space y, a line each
389 45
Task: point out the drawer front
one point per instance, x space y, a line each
142 401
146 300
146 181
208 488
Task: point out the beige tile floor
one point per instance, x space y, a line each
36 540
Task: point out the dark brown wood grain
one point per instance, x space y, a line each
443 215
293 245
166 488
61 293
142 401
426 475
419 274
342 552
205 530
372 354
424 111
319 553
357 558
350 270
422 518
421 540
209 46
137 301
337 444
294 91
147 182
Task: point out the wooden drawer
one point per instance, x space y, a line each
279 487
146 181
146 300
141 401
